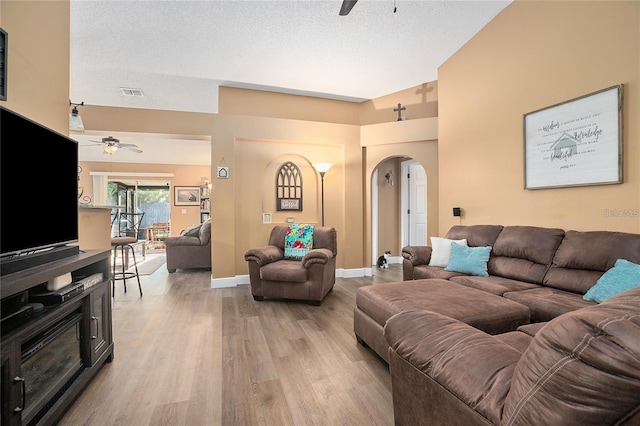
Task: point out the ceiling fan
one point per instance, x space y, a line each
347 5
111 145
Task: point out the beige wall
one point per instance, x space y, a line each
421 102
146 121
38 60
233 101
532 55
253 148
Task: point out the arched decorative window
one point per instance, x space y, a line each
289 187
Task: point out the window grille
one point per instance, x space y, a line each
289 187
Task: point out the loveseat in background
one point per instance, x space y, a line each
191 249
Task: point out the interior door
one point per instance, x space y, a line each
414 224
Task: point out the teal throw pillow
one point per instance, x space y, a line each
470 260
298 241
623 276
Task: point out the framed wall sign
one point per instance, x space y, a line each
186 196
575 143
288 187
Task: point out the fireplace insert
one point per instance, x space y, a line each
50 361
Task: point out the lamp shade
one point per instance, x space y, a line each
75 121
322 167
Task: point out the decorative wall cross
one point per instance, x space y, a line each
399 110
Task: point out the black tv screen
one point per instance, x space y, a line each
38 186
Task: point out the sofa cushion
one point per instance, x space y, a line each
470 260
441 250
524 252
423 272
532 329
285 270
488 312
493 284
516 339
476 235
546 303
583 366
182 241
583 257
192 231
623 276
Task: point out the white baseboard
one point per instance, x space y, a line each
244 279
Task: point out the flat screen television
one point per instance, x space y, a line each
38 187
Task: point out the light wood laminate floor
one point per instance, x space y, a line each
186 354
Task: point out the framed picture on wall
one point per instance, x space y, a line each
3 64
575 143
186 196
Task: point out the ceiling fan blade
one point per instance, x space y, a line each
139 151
130 145
347 5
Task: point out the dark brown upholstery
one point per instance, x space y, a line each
186 252
310 279
546 269
375 304
581 368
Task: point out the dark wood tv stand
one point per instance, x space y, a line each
91 309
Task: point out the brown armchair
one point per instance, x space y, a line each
310 279
191 250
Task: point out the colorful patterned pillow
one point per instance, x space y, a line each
298 241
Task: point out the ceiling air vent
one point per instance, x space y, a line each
131 92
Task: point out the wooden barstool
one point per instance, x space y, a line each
124 244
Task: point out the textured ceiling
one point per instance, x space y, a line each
179 52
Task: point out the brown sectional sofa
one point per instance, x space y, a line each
451 366
546 269
582 368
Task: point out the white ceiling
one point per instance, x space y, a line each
178 52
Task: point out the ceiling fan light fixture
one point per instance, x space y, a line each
75 121
110 149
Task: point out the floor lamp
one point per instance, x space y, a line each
322 169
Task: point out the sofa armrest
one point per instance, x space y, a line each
470 364
264 255
315 256
417 255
